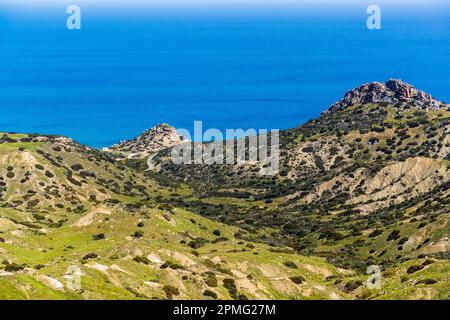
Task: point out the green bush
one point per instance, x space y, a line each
297 279
99 236
138 234
210 279
290 264
171 291
211 294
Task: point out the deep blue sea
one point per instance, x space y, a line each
115 78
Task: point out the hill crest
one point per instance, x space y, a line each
394 91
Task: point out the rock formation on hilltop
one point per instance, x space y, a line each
392 92
160 137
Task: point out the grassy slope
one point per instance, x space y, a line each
65 246
44 249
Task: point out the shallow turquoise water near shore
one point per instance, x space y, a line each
110 81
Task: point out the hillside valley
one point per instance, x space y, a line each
366 183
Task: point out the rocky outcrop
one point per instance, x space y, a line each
158 138
393 184
393 91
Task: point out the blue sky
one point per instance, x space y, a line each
232 4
